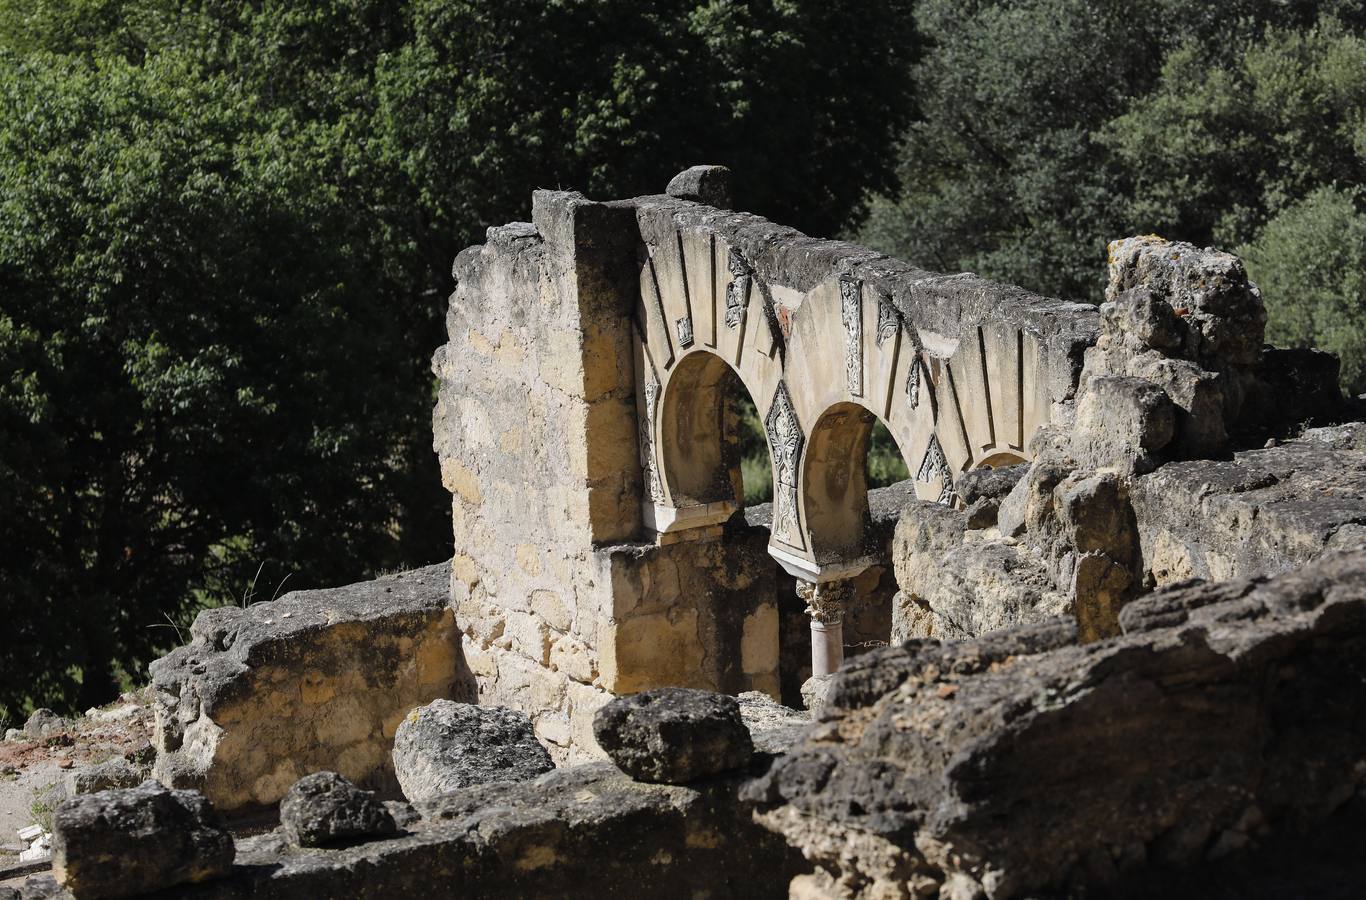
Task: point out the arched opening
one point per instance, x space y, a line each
885 464
723 589
699 435
855 482
835 484
1001 460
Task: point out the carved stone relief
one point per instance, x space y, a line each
785 441
647 445
887 320
826 601
684 326
936 465
851 311
737 292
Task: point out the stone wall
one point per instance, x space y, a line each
560 602
584 433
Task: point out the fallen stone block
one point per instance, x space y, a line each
674 735
325 808
114 773
1263 511
315 681
121 843
446 746
43 723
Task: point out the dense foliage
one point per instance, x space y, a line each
225 238
226 229
1046 128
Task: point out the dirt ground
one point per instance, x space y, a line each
29 769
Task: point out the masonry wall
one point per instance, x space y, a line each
559 600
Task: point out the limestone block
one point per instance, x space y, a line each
710 185
551 607
1253 514
121 843
759 641
325 808
673 735
653 650
774 728
445 746
310 682
574 658
528 635
584 703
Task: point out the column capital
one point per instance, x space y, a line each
826 600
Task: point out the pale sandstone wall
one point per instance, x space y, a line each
532 418
558 603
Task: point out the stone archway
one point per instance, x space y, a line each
822 355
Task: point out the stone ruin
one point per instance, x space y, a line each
1107 639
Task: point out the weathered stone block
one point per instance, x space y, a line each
113 773
325 808
673 735
262 696
120 843
1261 512
773 728
446 746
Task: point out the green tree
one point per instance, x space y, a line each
194 373
1045 128
1310 262
225 238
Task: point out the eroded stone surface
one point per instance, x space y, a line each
585 831
446 746
711 185
1261 512
325 808
113 773
121 843
772 727
1020 762
674 735
317 680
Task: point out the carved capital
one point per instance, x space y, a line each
826 601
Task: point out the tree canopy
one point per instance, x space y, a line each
225 237
1046 128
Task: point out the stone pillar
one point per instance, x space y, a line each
825 603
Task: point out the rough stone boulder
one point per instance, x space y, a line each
113 773
708 185
121 843
43 723
446 746
773 728
956 588
1021 763
1261 512
674 735
324 808
317 680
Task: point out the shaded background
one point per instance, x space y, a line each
226 232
